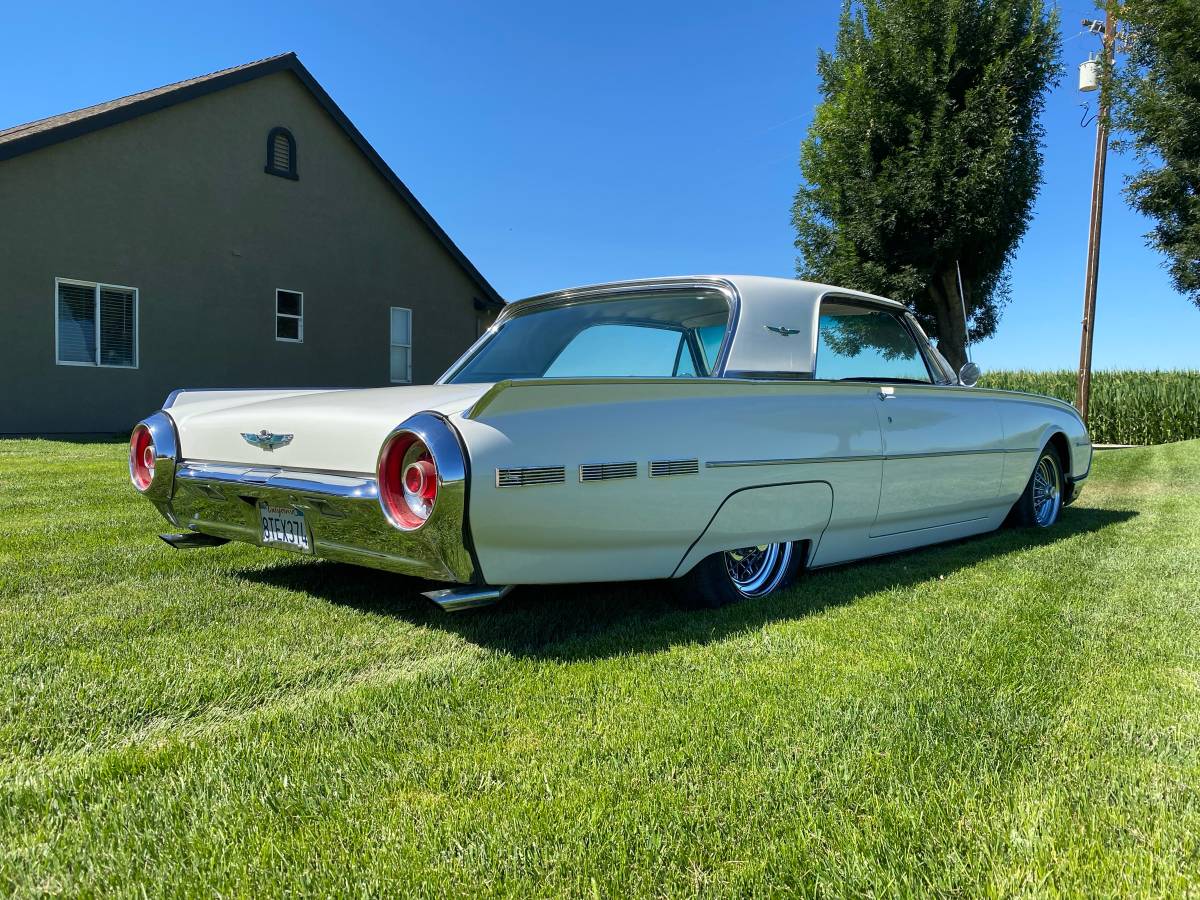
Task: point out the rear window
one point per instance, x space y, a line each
669 334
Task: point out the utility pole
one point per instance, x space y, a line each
1084 390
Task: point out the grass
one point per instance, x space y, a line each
1015 714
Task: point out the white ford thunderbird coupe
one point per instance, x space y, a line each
725 431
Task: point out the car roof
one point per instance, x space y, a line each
776 318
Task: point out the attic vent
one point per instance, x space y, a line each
663 467
607 471
530 475
281 154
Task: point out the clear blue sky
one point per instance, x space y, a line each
568 143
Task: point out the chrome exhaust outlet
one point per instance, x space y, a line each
457 599
193 540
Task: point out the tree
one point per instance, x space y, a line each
926 151
1156 103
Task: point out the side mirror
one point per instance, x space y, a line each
968 375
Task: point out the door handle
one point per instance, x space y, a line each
887 393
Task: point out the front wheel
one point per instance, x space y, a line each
1041 502
741 574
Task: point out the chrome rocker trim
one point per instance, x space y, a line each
346 520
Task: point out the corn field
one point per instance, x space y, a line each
1127 407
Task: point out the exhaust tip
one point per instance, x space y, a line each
457 599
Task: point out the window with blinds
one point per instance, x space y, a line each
289 316
95 324
281 154
400 351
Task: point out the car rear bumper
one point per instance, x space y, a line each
342 511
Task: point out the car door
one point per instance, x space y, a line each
941 443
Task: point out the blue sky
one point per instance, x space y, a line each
566 143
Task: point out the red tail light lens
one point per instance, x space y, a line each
141 458
408 481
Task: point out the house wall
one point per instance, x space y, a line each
176 204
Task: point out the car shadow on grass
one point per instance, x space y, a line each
588 621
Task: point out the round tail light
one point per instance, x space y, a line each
408 481
141 458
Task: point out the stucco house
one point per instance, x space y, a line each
234 229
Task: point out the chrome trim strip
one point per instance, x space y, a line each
796 461
875 537
294 470
866 457
339 486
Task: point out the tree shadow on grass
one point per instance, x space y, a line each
588 621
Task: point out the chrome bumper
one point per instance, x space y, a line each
342 511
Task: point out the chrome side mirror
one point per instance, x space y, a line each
968 375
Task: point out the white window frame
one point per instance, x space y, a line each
300 318
96 286
392 345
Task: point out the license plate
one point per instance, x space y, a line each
284 526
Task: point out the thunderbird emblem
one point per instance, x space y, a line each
782 329
267 440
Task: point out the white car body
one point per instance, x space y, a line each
759 453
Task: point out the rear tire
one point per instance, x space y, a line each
735 575
1041 502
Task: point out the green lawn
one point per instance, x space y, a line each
1015 714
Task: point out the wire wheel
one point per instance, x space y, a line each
1047 491
756 571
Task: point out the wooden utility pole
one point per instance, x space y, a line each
1084 391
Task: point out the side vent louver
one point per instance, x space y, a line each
607 471
530 475
662 467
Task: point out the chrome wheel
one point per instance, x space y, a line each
1047 491
756 571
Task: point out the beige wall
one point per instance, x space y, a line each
176 204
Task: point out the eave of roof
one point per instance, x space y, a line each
22 139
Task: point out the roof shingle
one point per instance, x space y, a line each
78 115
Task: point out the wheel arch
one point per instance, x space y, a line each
1062 446
798 512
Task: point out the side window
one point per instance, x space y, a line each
864 343
685 363
289 316
95 324
710 338
617 351
943 372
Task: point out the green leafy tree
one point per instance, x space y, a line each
926 151
1156 103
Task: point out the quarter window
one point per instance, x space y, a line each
862 343
95 324
289 316
400 349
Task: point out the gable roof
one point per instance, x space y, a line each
21 139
